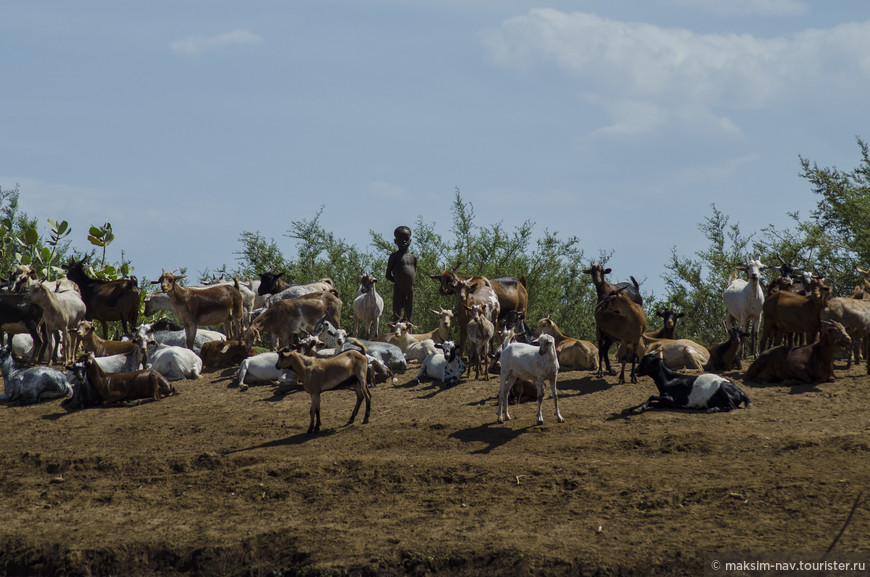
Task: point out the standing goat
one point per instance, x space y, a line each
534 363
744 300
205 306
320 375
480 331
619 319
116 300
368 306
62 311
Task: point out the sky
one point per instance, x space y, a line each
185 124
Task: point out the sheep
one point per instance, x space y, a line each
725 356
446 366
368 306
706 391
206 306
92 342
527 361
320 375
618 319
31 384
812 363
572 353
174 363
744 300
62 311
116 300
480 331
116 387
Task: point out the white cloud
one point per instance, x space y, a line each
743 7
388 191
645 76
195 46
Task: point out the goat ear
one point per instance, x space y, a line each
607 271
435 276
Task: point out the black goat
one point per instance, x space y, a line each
705 391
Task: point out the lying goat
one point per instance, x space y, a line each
704 392
446 366
807 364
33 384
117 387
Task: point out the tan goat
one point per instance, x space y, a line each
319 375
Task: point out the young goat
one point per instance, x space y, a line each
368 306
537 363
725 356
704 392
320 375
92 342
480 331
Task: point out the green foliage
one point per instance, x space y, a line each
694 285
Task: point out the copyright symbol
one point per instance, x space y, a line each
716 565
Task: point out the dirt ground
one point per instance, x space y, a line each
216 481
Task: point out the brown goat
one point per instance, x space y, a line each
479 291
725 356
807 364
116 387
204 306
572 353
320 375
619 319
92 343
854 315
287 318
106 301
222 354
786 312
510 291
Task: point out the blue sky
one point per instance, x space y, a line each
186 123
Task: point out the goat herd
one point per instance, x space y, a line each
308 345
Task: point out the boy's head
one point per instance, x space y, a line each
402 236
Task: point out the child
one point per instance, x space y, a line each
401 271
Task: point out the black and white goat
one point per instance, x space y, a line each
703 392
446 365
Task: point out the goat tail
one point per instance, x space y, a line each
357 343
523 281
636 284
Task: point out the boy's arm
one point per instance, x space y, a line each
390 262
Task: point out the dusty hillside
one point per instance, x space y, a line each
221 482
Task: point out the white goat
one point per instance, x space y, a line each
124 362
413 349
291 292
174 363
744 300
31 384
368 306
62 311
535 363
261 369
179 338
